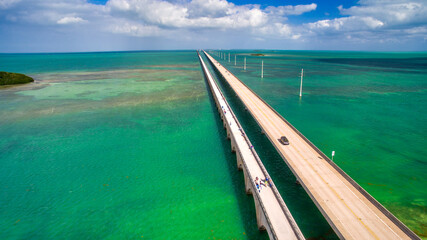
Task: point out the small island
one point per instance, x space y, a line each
7 78
257 54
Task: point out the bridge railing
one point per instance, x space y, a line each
276 193
240 153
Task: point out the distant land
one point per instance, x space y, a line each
8 78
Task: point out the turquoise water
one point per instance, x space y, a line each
125 148
127 145
368 107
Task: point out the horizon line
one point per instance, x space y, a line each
215 49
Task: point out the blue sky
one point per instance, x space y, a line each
116 25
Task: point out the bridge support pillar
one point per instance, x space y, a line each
233 145
260 217
239 162
248 184
228 130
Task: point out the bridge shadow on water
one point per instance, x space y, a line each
309 219
245 202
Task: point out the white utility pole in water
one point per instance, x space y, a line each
300 88
244 66
228 57
262 68
235 60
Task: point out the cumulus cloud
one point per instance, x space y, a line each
51 12
70 20
292 10
390 12
375 21
149 11
345 24
278 30
194 14
205 14
209 8
150 17
136 29
369 20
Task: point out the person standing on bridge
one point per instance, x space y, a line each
257 185
262 182
266 182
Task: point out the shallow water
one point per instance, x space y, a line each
368 107
129 145
118 153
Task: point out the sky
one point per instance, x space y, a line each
121 25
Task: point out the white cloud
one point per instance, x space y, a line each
195 14
417 30
145 18
292 10
70 20
136 29
277 30
375 21
369 20
122 5
392 13
209 8
4 4
52 12
150 11
346 24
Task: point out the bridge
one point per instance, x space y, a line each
348 208
271 212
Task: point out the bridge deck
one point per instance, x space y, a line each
280 223
350 212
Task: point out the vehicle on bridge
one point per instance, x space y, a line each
283 140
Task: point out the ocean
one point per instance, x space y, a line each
126 145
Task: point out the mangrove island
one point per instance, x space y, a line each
8 78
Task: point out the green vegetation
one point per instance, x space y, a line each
7 78
257 54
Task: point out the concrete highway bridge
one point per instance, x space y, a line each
348 208
271 212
